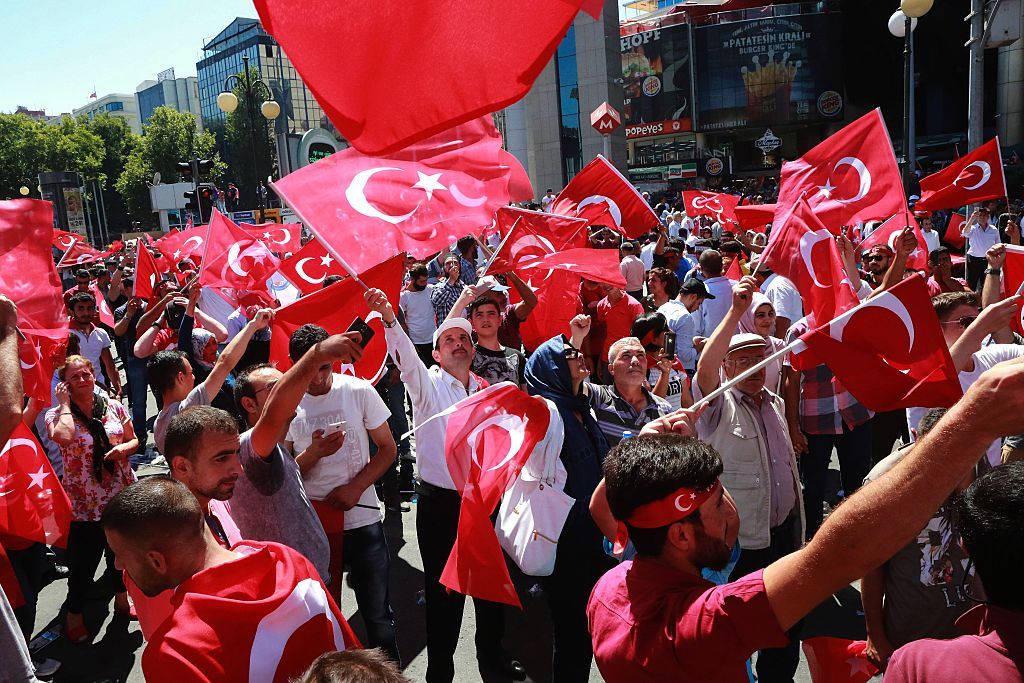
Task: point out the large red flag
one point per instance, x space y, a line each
487 54
849 177
735 270
907 366
334 308
80 253
755 216
419 200
718 205
233 258
33 504
601 195
1013 280
309 267
599 265
804 251
263 616
489 437
972 178
889 231
837 660
27 275
179 245
280 237
147 273
954 237
62 239
36 356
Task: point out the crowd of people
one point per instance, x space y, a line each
277 480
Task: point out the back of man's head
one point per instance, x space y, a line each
156 513
990 518
305 338
710 262
352 666
647 468
186 430
163 368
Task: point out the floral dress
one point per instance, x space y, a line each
88 496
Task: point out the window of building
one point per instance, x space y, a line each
569 106
115 106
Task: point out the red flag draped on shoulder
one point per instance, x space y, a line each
334 308
280 237
907 366
27 274
309 267
33 504
888 232
418 200
972 178
601 195
720 206
235 259
487 53
804 251
849 177
490 436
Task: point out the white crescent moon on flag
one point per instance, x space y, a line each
300 269
986 173
527 241
355 193
613 208
885 301
863 174
185 249
463 199
233 259
65 241
680 507
26 367
513 424
287 236
807 242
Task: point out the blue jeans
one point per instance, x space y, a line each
366 554
138 392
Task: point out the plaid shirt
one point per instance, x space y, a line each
615 414
825 404
444 295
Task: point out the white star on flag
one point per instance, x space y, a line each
429 183
38 477
326 260
859 665
826 189
266 235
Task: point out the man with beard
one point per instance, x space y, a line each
94 341
418 309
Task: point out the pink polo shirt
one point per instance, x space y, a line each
650 621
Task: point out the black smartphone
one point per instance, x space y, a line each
669 346
365 331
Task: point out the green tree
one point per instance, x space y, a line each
119 142
239 131
29 147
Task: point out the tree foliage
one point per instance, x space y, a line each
239 132
29 147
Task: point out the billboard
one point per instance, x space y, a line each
75 209
772 71
656 81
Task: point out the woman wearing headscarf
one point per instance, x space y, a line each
760 319
96 438
557 371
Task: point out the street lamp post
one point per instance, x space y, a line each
902 24
228 102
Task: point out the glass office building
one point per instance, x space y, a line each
569 106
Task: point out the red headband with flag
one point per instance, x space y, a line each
673 508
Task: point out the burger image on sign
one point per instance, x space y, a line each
830 103
714 166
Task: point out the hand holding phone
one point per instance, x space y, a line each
669 346
365 331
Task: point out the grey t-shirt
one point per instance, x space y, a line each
270 504
196 397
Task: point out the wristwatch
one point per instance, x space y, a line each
391 324
992 271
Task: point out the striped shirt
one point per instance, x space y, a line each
615 414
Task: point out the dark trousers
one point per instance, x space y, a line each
976 266
425 352
30 566
886 429
399 476
366 554
776 665
437 521
138 388
854 448
86 545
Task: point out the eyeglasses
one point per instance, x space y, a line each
571 352
744 363
270 385
963 321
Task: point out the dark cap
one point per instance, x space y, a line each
694 286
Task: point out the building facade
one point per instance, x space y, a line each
121 105
180 94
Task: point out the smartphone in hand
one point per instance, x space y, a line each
365 331
669 347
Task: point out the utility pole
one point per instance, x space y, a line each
976 74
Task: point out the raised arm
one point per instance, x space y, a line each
992 290
905 244
154 312
145 345
528 296
993 318
11 391
121 328
717 345
233 352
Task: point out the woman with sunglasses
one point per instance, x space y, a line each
96 438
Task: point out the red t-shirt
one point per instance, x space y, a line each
652 622
618 319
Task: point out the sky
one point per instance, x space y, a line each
56 52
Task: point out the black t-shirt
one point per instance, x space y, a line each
507 365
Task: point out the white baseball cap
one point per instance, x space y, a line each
492 284
452 323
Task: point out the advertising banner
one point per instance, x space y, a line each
772 71
76 210
656 81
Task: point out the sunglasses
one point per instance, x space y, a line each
571 352
876 257
963 321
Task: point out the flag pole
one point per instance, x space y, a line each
497 250
327 245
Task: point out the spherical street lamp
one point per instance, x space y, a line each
24 191
270 110
898 24
915 8
227 102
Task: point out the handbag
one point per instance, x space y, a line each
531 517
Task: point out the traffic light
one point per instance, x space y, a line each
208 198
184 169
205 167
191 204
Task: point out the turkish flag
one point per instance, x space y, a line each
603 196
1013 280
33 504
849 177
309 267
953 236
417 200
147 273
735 270
490 436
599 265
804 251
755 216
78 254
280 237
720 206
233 258
36 356
889 231
972 178
907 366
334 308
102 307
487 54
179 245
27 274
264 616
62 239
837 660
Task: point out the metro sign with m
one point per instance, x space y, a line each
605 119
